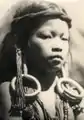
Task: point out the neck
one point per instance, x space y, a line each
45 78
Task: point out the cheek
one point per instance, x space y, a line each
39 47
66 49
44 49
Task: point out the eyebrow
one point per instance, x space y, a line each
53 32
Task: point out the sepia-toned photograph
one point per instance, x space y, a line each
41 60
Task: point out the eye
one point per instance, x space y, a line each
43 35
64 38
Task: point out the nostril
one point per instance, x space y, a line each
56 49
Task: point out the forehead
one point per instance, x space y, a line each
56 25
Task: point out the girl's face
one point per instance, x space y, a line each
49 45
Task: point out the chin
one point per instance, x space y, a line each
55 68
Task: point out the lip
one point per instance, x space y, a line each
55 62
55 57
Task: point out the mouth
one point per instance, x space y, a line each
55 57
55 60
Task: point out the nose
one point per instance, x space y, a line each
56 49
57 45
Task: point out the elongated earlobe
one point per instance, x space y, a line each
15 39
29 45
65 69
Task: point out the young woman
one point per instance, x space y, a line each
37 36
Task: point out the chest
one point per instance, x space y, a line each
55 106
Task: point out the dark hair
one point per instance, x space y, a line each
25 16
21 20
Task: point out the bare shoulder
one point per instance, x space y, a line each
80 114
